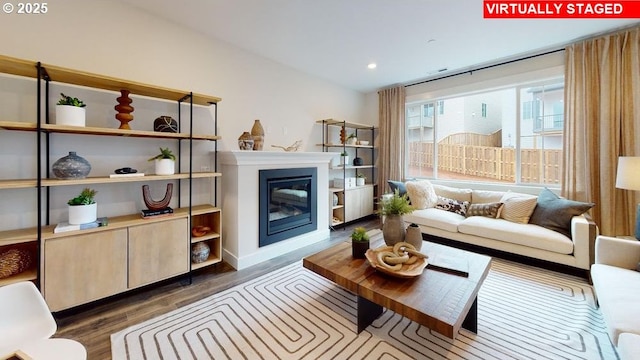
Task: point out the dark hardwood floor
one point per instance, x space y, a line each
93 324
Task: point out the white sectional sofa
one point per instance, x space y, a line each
617 286
574 249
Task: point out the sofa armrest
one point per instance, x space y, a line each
617 252
583 234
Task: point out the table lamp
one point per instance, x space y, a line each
628 178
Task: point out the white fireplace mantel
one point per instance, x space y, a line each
240 203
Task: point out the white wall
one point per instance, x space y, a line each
111 39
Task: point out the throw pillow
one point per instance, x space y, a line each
485 209
517 207
452 205
555 213
393 185
421 194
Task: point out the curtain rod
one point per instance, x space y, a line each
486 67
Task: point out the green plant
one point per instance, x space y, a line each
396 205
68 100
351 136
164 154
359 234
85 198
344 153
361 176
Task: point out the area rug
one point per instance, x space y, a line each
292 313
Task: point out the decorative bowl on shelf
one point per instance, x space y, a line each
406 271
363 142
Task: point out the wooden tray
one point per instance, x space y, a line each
407 271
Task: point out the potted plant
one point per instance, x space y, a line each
344 158
352 139
360 179
359 242
70 111
392 208
165 162
83 208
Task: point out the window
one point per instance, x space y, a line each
520 141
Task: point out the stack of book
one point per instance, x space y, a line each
65 226
146 214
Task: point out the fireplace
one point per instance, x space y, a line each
287 203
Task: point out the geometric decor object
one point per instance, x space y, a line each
157 205
124 110
165 124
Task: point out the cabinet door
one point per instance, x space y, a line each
82 268
358 202
158 251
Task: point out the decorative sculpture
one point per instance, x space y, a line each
124 110
157 205
294 147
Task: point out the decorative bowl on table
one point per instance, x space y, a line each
409 269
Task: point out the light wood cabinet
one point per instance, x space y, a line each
82 268
358 202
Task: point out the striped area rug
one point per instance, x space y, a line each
292 313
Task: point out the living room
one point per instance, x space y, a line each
119 40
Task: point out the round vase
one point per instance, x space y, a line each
82 214
71 166
199 252
245 141
257 132
165 124
165 167
393 229
70 115
414 236
359 248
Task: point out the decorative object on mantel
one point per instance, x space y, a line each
165 162
245 141
165 124
83 208
71 166
257 132
292 148
124 110
627 178
159 204
70 111
200 252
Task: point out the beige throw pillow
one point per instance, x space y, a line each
421 194
517 207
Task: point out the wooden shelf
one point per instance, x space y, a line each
27 275
335 122
208 236
106 179
27 68
340 167
11 237
210 261
203 209
346 146
17 125
18 183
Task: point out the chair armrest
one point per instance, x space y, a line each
617 252
583 234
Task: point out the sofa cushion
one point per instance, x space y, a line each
485 196
628 346
490 210
452 205
436 218
421 194
399 185
453 193
555 213
533 236
618 291
517 207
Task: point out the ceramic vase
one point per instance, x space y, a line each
200 252
124 110
165 124
71 166
414 236
245 141
393 229
70 115
165 167
257 132
82 214
359 248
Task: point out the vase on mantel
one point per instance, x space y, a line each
257 132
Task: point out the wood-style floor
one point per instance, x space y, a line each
93 324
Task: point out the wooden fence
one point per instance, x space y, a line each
498 163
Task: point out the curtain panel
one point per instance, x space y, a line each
391 137
602 107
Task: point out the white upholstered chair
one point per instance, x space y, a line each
26 324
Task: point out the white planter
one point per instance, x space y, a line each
344 160
165 167
360 181
352 141
70 115
82 214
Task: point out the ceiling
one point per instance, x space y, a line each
409 40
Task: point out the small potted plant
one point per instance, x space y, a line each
83 208
70 111
344 158
352 139
359 242
392 208
360 179
165 162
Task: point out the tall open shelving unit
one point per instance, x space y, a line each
131 251
353 202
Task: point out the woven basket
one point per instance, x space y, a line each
14 261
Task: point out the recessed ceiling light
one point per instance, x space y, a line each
372 66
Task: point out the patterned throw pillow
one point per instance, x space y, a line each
490 210
517 207
452 205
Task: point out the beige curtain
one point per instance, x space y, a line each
390 162
602 104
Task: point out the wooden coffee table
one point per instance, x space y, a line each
440 301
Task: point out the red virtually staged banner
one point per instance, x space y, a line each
502 9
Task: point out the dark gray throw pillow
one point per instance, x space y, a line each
555 213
